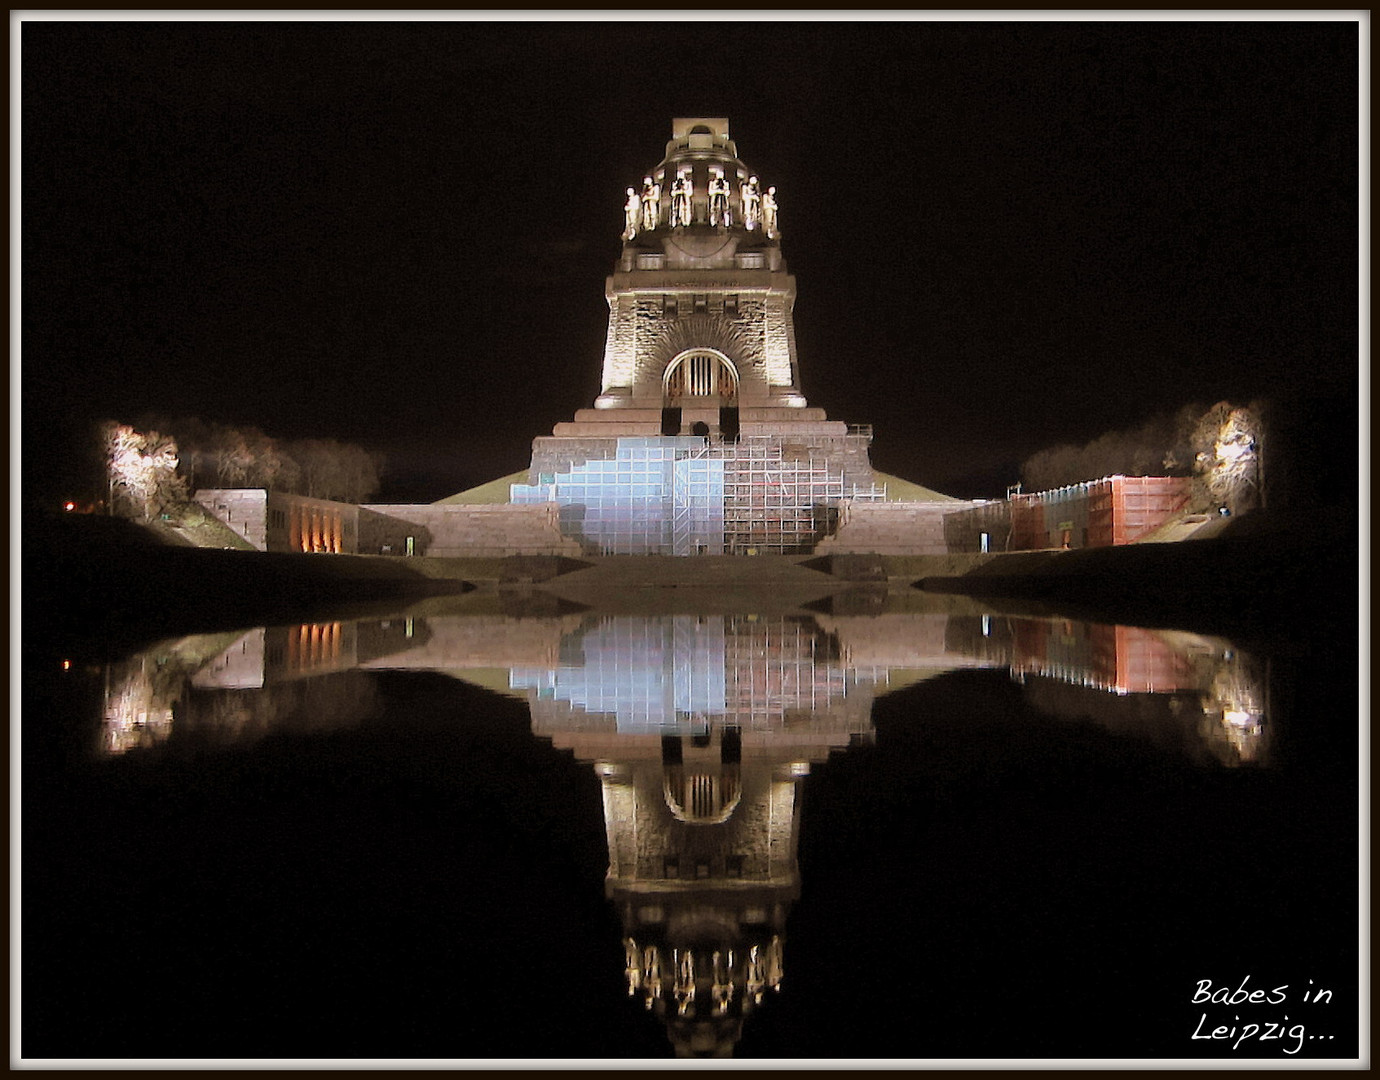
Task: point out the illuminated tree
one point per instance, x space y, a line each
1221 447
142 471
1155 448
226 456
1228 443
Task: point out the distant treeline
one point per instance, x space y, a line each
1221 445
158 461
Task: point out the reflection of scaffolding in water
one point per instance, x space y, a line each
778 667
678 495
684 673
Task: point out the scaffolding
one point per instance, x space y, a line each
779 505
678 495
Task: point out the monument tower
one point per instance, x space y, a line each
700 304
700 441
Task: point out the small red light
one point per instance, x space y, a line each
69 506
67 665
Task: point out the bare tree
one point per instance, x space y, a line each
271 467
232 456
335 470
361 470
322 475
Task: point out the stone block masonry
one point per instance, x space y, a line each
481 531
890 528
277 521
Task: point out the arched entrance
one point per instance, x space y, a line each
700 373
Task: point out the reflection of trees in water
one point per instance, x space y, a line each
323 703
1233 707
148 703
1222 720
139 699
142 693
1198 697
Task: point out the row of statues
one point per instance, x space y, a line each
645 972
642 213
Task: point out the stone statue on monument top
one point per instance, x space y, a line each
718 198
682 195
769 212
751 204
651 203
632 215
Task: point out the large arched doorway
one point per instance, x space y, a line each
701 373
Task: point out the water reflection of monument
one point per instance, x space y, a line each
700 728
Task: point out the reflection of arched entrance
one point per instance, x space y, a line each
701 373
702 798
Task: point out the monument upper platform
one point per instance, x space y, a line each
684 126
702 185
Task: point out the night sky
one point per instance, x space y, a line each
1004 235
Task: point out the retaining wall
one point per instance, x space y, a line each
478 531
890 528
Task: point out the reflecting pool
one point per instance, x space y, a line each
919 834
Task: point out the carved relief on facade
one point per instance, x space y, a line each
702 330
778 345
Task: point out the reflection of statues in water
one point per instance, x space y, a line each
702 873
718 198
769 212
752 201
682 194
632 214
651 203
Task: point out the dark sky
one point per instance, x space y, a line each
1005 235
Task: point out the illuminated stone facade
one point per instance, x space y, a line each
278 521
715 289
700 363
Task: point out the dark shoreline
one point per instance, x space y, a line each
1266 585
96 587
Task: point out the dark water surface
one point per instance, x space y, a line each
917 835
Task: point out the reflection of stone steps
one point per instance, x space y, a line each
672 584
